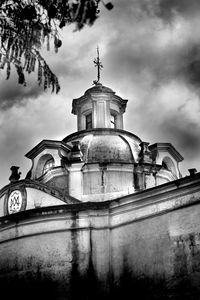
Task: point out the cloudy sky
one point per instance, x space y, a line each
151 56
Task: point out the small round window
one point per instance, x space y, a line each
48 165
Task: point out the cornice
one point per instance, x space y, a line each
77 102
28 183
96 131
167 147
46 144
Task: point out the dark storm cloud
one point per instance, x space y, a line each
12 94
185 60
169 9
185 134
180 63
132 50
136 48
192 65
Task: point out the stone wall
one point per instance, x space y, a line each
142 246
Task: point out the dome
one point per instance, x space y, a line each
105 148
99 88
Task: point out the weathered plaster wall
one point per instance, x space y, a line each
107 178
36 198
164 251
59 182
36 195
146 245
60 250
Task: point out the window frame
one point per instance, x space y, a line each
113 119
88 124
48 165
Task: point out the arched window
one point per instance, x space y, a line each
168 164
113 121
49 164
45 163
88 119
164 165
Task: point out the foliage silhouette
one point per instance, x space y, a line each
25 25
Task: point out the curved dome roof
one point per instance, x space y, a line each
99 88
108 148
105 149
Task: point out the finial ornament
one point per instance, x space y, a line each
99 66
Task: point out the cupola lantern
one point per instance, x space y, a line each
99 107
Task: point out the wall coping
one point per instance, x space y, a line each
28 183
118 212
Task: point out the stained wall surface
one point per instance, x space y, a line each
146 245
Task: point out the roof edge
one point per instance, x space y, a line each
169 147
50 144
42 187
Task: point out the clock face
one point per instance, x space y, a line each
14 202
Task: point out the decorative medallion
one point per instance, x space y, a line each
15 201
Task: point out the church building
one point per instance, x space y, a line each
101 214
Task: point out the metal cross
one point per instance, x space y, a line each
99 66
